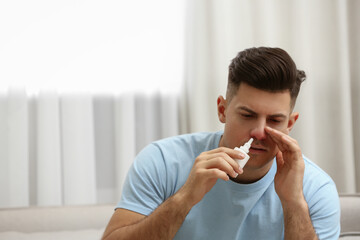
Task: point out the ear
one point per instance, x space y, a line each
292 119
221 107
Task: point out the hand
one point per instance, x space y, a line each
290 168
207 169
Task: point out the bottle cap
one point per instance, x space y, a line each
247 146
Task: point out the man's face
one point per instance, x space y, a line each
246 116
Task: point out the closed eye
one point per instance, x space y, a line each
247 115
274 120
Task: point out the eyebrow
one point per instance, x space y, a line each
277 115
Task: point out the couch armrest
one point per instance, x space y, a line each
350 216
40 219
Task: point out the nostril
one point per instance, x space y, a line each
258 134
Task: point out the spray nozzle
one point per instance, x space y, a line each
247 146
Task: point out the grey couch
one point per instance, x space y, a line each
88 222
350 216
55 223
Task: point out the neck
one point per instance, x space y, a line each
251 175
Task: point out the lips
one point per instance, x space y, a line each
257 149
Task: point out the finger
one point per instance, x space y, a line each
231 152
284 141
231 162
275 134
220 163
216 173
279 159
278 142
229 155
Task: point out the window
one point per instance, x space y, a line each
97 46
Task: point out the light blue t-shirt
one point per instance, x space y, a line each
229 210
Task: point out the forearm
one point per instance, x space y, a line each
163 223
297 221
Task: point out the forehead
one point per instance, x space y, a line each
262 101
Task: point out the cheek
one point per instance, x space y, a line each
235 135
235 126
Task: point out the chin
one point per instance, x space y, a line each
257 161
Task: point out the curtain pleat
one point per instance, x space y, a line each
148 121
78 149
353 19
49 168
169 116
14 168
104 122
4 163
125 137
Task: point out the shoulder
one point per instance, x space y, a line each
190 144
317 181
314 176
200 138
319 189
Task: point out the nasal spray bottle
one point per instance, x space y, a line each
244 149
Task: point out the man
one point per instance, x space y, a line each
191 186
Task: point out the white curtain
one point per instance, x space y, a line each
66 149
323 38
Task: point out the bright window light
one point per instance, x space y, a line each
92 45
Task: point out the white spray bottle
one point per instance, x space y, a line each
244 149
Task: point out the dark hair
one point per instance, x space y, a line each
269 69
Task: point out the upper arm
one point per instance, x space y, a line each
325 212
142 191
145 186
121 218
323 200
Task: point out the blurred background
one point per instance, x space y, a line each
85 85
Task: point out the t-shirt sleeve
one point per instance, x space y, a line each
145 184
324 207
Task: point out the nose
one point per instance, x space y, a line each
258 131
